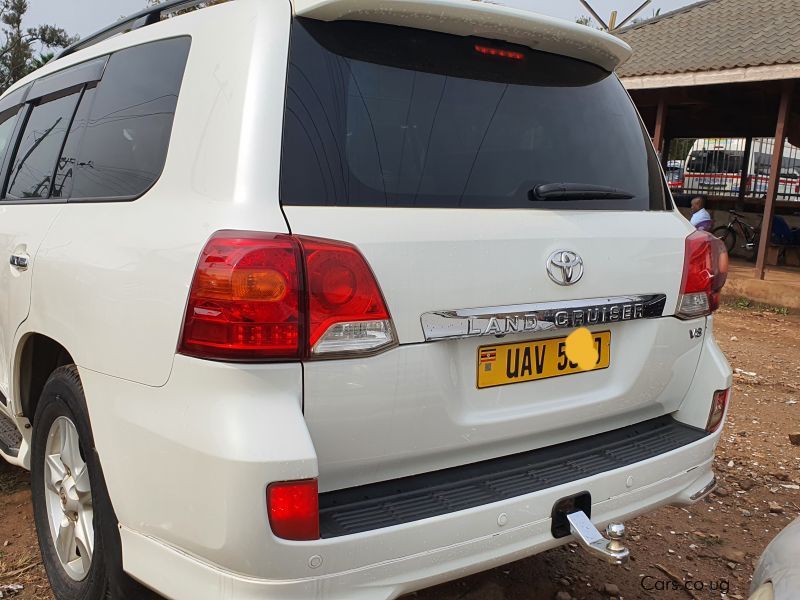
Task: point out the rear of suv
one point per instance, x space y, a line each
300 295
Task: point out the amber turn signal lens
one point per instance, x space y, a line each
260 296
267 285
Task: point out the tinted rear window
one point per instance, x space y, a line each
62 185
8 122
389 116
35 161
123 143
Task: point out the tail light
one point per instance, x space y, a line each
718 405
293 508
264 296
346 311
705 269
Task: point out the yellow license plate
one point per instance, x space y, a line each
503 364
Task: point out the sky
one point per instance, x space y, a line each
83 17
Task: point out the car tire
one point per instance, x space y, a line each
75 521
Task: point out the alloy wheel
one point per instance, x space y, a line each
68 496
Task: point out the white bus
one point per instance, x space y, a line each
714 167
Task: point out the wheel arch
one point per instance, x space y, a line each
38 355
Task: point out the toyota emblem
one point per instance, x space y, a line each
565 267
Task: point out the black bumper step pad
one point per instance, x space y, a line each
387 503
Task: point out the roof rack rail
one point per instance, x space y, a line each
143 18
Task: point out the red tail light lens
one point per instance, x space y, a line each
263 296
705 269
718 405
245 299
345 307
293 508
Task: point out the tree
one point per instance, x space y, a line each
38 62
584 20
17 50
679 148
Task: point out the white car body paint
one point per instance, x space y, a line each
482 19
188 446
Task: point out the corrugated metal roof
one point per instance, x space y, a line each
715 35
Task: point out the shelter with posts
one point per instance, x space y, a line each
717 85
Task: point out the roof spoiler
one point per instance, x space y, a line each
471 17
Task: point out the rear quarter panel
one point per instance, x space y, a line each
112 278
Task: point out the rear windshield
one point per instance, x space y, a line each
378 115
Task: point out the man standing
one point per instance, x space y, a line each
701 218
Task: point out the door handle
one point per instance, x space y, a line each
19 261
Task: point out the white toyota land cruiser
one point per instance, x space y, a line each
288 290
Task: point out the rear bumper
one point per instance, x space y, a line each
187 466
439 493
455 545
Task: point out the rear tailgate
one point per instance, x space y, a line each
417 408
424 150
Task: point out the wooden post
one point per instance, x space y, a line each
748 148
661 122
774 176
667 143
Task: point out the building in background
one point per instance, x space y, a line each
716 84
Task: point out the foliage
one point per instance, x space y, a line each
17 49
37 62
584 20
679 148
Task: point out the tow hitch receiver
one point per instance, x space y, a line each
611 550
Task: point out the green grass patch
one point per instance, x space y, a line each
747 304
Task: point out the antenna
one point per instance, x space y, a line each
594 14
612 25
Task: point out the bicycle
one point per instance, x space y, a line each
729 236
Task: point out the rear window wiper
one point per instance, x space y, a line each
576 191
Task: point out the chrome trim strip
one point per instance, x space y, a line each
705 491
542 316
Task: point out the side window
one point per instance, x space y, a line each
62 186
8 122
31 173
125 140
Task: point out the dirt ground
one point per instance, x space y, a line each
713 544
